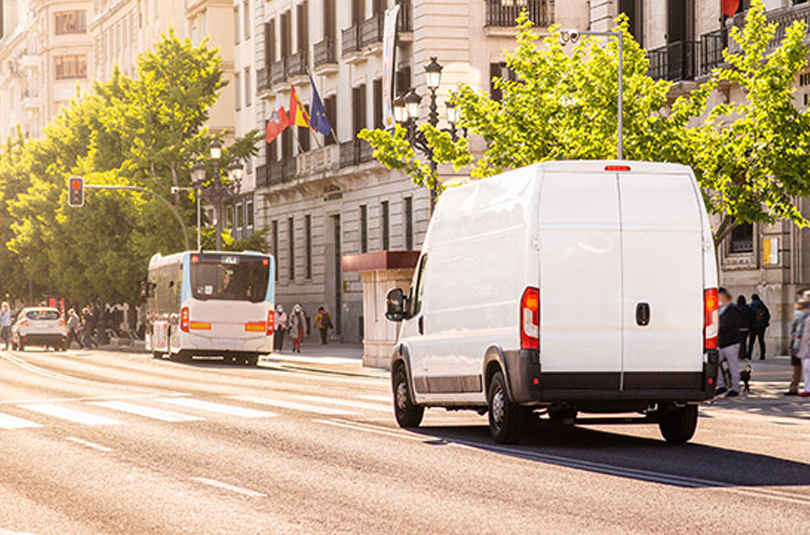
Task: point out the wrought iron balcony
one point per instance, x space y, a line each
262 80
405 23
325 53
371 31
355 152
298 64
712 45
351 40
675 61
278 72
504 13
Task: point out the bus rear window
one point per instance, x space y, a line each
243 281
43 315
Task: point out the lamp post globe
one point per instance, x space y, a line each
215 150
400 110
235 172
433 74
453 113
412 102
197 173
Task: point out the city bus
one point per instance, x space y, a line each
210 304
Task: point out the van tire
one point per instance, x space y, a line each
678 424
506 419
408 414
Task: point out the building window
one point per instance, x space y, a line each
246 14
378 104
364 229
303 135
229 219
236 24
499 70
409 223
71 67
358 109
70 22
634 9
248 93
308 244
742 239
251 217
237 89
385 226
291 246
240 220
331 111
274 237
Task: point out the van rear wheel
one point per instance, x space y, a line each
678 424
408 414
506 419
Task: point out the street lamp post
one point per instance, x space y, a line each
572 36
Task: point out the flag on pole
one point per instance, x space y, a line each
319 120
277 123
730 7
297 113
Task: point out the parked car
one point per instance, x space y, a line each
39 326
574 287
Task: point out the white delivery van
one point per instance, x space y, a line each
575 287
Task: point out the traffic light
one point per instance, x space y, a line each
76 191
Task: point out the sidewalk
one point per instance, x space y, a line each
340 359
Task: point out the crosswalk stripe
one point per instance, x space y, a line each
347 403
146 412
217 407
71 415
384 399
292 405
12 422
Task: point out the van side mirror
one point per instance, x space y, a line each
395 305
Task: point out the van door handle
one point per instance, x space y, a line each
643 314
421 325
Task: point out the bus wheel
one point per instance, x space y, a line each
157 355
251 360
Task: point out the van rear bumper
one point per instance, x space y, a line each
528 383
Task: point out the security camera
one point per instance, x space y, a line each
175 190
564 37
574 34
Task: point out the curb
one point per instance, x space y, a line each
326 371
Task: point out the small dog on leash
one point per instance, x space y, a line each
745 377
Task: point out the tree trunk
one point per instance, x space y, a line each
176 182
723 230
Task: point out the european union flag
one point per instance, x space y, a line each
318 119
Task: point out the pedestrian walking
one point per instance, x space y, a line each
804 356
5 324
281 328
323 322
73 324
728 342
796 332
88 329
297 327
745 328
760 321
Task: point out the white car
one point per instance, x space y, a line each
572 287
39 326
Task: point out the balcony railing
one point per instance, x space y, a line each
262 176
371 31
355 152
325 53
262 80
405 23
298 64
351 40
784 19
674 62
281 171
504 13
278 72
712 45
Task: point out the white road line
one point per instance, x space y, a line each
387 399
146 412
91 398
348 403
348 425
292 405
71 415
91 445
226 486
218 408
756 437
12 422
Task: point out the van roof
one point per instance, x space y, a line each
595 166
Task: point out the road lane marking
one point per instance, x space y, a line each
226 486
756 437
356 427
71 415
12 422
81 399
348 403
146 412
292 405
88 444
385 399
218 408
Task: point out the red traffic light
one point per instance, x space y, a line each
76 191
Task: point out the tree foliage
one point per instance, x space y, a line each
751 158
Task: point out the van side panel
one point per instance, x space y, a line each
580 282
663 274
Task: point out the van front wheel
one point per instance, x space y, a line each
678 424
408 414
506 419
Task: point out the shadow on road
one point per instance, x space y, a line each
644 459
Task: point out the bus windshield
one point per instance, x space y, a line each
230 278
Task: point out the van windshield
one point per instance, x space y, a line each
230 278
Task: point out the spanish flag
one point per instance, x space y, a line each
298 115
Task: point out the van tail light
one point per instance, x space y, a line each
271 322
185 324
711 319
530 319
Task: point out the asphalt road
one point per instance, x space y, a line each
111 443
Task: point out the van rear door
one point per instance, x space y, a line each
663 281
580 282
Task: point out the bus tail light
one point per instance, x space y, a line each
711 319
271 322
255 327
184 320
530 319
200 326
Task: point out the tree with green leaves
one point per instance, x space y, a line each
751 158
